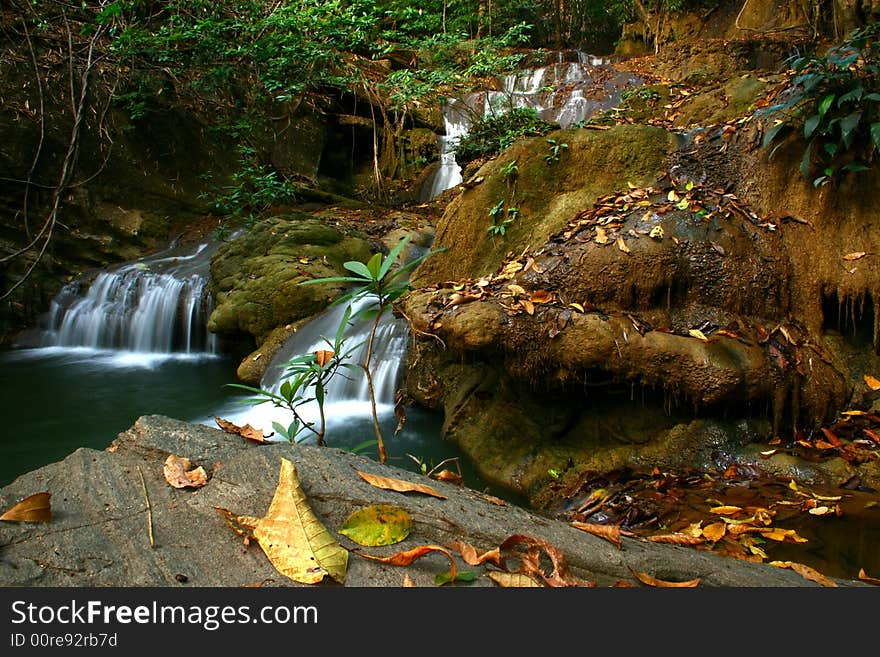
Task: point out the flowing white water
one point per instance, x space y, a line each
565 92
156 305
347 394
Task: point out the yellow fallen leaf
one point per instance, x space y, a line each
513 580
517 290
873 384
725 510
33 508
698 334
783 535
621 244
656 233
179 473
399 485
294 540
577 307
528 306
715 532
820 511
601 235
378 524
855 255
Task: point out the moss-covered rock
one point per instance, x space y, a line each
256 278
546 194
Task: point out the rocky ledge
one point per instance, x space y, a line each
103 501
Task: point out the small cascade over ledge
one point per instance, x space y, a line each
158 304
566 92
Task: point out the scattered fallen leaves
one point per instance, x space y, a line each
247 431
378 524
610 533
650 580
33 508
398 485
292 536
179 473
528 550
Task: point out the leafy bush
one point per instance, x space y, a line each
835 100
493 134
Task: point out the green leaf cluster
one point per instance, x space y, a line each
834 100
493 134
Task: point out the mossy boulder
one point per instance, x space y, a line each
546 194
256 278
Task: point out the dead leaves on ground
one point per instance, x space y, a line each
399 485
33 508
650 580
247 431
291 535
179 473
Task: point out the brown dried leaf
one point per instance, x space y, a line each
528 549
409 557
528 306
650 580
856 255
601 235
247 431
179 473
469 554
407 582
449 476
513 580
33 508
677 539
610 533
621 244
805 571
399 485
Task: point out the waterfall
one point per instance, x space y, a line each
158 304
565 92
347 394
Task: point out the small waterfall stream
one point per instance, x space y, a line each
565 92
158 304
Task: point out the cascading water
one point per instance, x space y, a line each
566 93
158 305
347 395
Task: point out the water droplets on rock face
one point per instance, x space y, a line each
157 304
565 92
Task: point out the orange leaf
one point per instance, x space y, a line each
864 577
34 508
528 549
410 556
323 356
471 558
528 306
610 533
645 578
179 474
833 439
247 431
541 296
855 255
448 476
399 485
873 384
407 581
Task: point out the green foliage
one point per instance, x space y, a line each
555 153
493 134
500 219
510 170
307 378
378 280
835 100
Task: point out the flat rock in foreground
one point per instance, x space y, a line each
99 533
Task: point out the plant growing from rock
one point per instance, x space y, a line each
378 280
